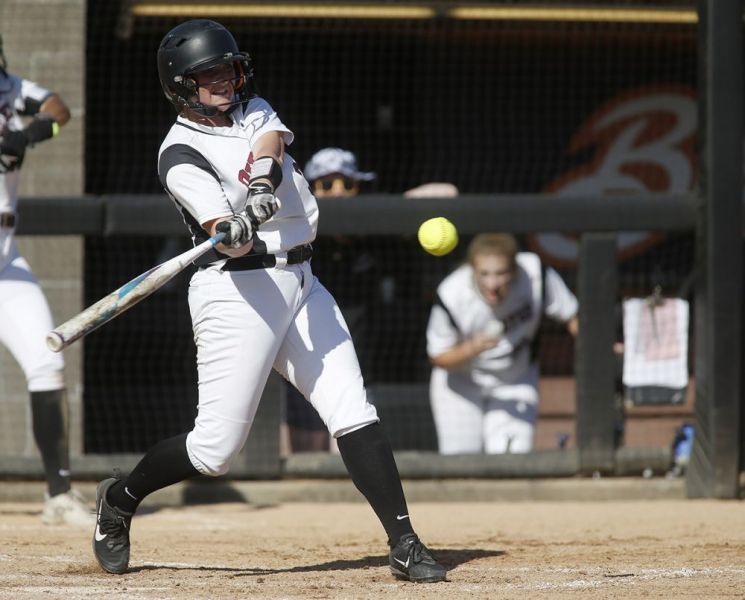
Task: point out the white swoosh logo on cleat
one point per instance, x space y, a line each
405 564
98 535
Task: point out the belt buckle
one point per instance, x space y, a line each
7 219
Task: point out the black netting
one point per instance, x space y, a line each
490 106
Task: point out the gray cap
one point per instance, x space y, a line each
335 160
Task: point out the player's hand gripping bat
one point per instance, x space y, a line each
115 303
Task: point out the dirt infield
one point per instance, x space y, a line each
644 549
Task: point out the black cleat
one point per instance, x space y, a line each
410 559
111 536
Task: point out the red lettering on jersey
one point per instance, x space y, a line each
244 175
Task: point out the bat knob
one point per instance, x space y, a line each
55 342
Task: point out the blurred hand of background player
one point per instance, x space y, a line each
262 203
42 127
488 338
238 230
483 341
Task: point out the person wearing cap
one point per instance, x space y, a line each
333 173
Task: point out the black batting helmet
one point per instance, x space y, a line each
195 46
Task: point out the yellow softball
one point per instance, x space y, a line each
438 236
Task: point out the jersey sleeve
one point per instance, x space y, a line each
193 189
32 96
441 333
561 303
262 119
192 182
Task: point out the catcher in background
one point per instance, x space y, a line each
30 114
480 338
255 303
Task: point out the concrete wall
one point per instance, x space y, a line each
44 40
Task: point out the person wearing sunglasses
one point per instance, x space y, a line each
333 173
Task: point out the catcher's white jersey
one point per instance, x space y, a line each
461 313
247 323
490 404
25 318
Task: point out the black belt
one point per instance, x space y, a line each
7 219
296 255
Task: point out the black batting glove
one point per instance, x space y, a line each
262 204
238 231
14 143
42 127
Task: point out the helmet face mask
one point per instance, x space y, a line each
193 47
213 77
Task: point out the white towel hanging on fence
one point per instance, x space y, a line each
655 342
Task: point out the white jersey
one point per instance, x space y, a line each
18 97
206 170
461 313
25 318
281 315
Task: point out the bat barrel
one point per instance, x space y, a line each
123 298
55 341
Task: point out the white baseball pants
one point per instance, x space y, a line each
25 320
248 322
470 420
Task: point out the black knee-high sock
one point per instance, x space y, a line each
164 464
369 460
50 417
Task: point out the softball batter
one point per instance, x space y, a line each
484 382
30 114
255 304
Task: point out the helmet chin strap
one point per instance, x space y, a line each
211 110
207 111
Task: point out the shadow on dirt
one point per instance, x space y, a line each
449 558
